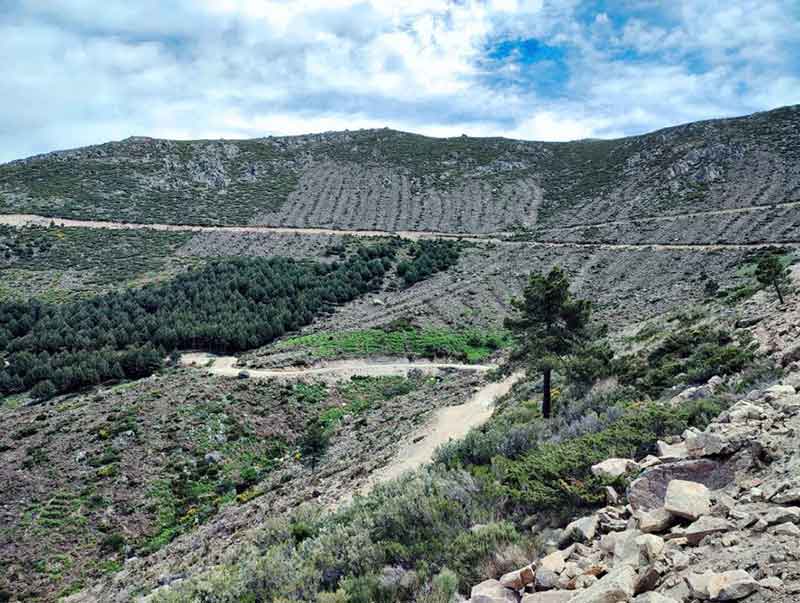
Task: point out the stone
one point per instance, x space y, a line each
518 579
744 411
687 499
553 562
545 579
650 546
612 498
771 583
787 496
653 598
646 580
571 570
671 451
581 530
725 586
779 391
704 526
786 529
491 591
584 581
552 596
782 515
617 585
626 548
649 461
657 520
705 444
647 492
614 468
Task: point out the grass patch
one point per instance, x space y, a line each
471 345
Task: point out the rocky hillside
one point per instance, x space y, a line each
388 180
713 517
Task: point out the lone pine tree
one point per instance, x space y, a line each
549 325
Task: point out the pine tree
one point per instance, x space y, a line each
549 326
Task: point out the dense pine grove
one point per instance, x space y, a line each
427 258
225 307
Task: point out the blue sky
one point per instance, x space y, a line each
78 72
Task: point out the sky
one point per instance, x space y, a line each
78 72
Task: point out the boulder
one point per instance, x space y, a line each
744 411
552 596
651 547
491 591
705 444
646 580
554 561
657 520
786 529
518 579
614 468
584 581
725 586
791 495
581 530
687 499
545 579
648 490
626 549
672 451
617 585
704 526
782 515
653 598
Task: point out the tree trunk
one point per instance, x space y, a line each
546 394
778 291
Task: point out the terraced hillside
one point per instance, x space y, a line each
388 180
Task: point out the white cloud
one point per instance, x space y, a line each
81 71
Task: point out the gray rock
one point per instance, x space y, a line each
614 468
491 591
552 596
687 499
581 530
657 520
545 579
653 598
648 490
651 547
786 529
791 495
672 451
554 561
704 526
518 579
782 515
725 586
705 444
617 585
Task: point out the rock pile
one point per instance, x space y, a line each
715 517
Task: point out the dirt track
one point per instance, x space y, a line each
450 422
498 237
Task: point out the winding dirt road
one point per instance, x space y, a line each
449 422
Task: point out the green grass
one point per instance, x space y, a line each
470 345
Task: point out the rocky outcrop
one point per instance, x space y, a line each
720 526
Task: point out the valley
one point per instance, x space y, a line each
280 369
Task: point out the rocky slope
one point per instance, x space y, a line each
388 180
714 517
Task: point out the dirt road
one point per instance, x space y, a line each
498 237
225 366
450 422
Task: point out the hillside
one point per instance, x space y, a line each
215 372
388 180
